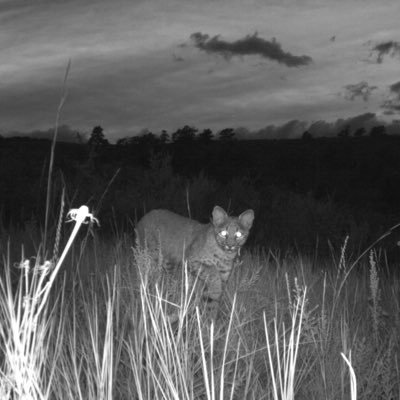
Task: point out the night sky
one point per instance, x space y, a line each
271 66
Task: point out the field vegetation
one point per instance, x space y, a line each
313 312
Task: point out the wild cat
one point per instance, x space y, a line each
211 250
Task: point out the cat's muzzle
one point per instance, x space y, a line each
230 249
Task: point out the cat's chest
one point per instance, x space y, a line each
215 257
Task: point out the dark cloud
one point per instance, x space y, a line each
383 49
289 130
324 128
391 106
365 120
391 110
321 128
395 88
295 128
250 45
361 89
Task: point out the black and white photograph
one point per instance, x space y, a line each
199 199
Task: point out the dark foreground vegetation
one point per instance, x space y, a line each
313 312
308 194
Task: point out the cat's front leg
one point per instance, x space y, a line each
212 293
213 285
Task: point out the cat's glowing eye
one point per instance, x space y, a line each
223 233
238 234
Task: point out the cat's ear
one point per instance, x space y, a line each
246 219
219 216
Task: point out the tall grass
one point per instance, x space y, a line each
52 155
30 324
283 374
124 328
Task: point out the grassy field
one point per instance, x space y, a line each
89 316
106 323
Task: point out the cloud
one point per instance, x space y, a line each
367 121
250 45
389 48
177 58
324 128
392 104
395 88
65 134
289 130
295 128
361 89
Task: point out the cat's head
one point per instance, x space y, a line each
231 232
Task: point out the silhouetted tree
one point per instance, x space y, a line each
97 144
344 132
148 138
123 141
378 131
184 135
164 137
226 135
306 135
359 132
97 137
206 136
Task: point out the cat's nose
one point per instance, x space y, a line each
230 248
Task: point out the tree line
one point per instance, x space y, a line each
189 134
185 135
375 131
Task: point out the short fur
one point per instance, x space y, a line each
211 250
